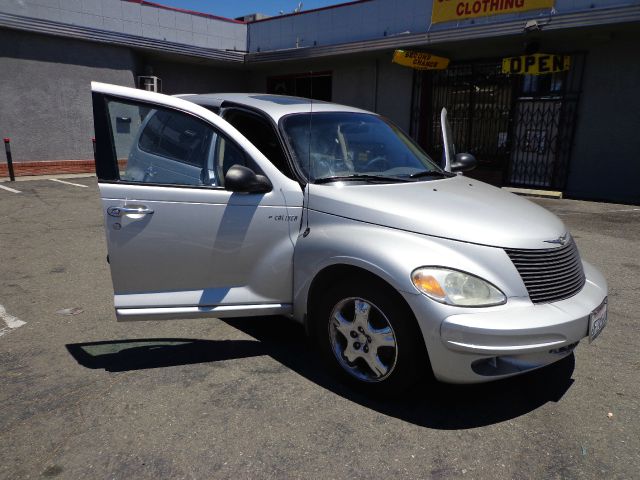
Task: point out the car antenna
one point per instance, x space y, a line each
307 230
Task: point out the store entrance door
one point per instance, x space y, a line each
542 131
536 127
519 127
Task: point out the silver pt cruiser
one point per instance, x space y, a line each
238 205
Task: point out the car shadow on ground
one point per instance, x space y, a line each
430 404
140 354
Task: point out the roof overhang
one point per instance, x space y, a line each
49 27
556 22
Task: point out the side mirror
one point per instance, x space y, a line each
463 162
244 180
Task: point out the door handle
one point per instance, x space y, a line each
121 211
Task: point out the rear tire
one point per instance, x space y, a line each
368 335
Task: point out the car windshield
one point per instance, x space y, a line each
345 145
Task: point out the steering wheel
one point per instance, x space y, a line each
322 168
377 164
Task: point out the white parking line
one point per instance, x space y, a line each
625 210
11 321
599 213
9 189
68 183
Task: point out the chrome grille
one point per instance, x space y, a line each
551 274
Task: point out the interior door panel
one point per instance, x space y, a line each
179 244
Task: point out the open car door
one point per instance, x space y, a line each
180 243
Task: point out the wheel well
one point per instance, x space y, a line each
328 276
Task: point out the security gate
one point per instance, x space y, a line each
543 127
519 127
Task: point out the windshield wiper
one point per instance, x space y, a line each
431 173
362 177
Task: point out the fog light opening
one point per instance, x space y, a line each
563 350
504 365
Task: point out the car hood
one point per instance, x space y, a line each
457 208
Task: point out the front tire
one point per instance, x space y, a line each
368 335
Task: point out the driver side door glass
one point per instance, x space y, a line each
227 154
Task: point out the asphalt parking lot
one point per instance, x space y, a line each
86 397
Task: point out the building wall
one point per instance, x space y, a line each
606 157
45 91
179 77
364 20
395 89
45 105
369 82
141 20
360 21
377 19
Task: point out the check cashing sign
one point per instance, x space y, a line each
419 60
452 10
536 64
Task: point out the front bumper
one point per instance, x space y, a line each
480 345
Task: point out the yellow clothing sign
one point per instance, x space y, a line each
419 60
536 64
452 10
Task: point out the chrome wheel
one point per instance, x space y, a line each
362 339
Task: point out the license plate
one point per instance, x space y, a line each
597 320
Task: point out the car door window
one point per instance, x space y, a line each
227 154
161 146
259 132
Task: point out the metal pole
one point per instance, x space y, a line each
7 149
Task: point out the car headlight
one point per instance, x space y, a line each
456 288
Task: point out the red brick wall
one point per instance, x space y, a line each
48 167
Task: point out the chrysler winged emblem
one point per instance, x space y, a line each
561 240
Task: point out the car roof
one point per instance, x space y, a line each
276 106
